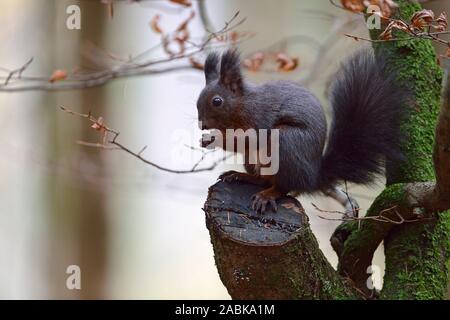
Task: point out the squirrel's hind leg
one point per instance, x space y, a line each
347 201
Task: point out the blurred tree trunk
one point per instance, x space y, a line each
80 226
93 226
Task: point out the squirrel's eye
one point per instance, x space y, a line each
217 101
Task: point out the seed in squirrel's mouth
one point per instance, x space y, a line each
207 139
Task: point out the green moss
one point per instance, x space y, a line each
415 64
416 254
417 261
367 231
320 281
394 193
420 128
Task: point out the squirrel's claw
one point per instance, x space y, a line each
264 200
229 176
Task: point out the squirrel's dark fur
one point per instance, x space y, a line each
367 105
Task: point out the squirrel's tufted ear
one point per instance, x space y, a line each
211 67
230 71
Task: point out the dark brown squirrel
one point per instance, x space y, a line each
367 103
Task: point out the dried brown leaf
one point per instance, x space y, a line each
186 3
442 22
255 62
286 63
234 36
154 24
357 6
99 125
182 35
196 64
400 25
58 75
386 34
386 6
422 19
185 23
353 5
395 24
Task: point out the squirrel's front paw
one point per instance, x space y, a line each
265 199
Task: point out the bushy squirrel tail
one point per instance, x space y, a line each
368 106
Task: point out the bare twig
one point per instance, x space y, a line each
110 142
380 217
17 72
423 35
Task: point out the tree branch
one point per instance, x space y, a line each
356 241
110 142
14 81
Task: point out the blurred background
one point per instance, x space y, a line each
135 232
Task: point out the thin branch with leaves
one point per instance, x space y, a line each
110 142
14 80
423 24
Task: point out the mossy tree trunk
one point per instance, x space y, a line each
270 256
285 264
417 254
